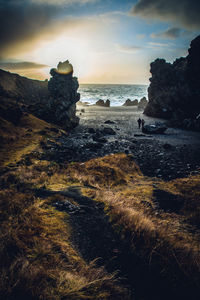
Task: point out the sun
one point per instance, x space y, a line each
75 49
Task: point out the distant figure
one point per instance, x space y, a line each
139 123
143 122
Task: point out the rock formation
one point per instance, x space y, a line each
100 102
53 102
63 95
143 103
174 91
128 102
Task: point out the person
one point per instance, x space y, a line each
139 122
143 122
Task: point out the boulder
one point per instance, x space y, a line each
109 122
108 131
156 128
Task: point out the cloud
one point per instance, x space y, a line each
25 22
62 2
11 66
171 33
185 12
21 22
157 46
128 49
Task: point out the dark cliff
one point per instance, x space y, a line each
174 91
53 102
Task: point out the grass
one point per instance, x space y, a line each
162 238
38 258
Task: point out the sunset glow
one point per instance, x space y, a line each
106 41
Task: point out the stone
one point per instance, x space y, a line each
93 146
108 131
167 146
91 130
98 139
109 122
156 128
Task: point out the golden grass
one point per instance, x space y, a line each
38 260
157 235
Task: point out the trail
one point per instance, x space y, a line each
95 239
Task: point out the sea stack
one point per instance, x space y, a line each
63 90
174 91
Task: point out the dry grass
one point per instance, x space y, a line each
37 257
160 237
38 260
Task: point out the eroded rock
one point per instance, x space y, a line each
174 91
63 90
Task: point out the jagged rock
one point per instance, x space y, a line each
128 102
143 103
174 91
63 90
100 102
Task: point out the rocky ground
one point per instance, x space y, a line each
103 131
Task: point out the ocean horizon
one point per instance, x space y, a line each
116 93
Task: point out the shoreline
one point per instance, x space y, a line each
171 155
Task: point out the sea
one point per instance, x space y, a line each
116 93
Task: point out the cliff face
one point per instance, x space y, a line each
53 102
174 91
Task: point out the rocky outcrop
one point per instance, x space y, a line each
63 95
129 102
174 91
143 103
53 102
100 102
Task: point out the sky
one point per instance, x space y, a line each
106 41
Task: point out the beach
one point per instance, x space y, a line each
170 155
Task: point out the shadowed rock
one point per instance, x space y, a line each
63 90
174 91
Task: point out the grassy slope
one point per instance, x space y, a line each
38 259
